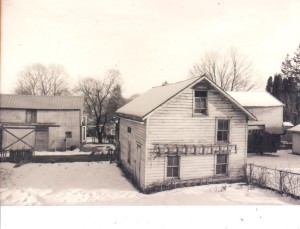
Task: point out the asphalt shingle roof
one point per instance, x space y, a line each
41 102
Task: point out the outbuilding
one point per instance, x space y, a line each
40 122
295 138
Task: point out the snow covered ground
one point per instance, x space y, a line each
283 159
102 184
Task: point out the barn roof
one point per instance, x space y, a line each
41 102
255 98
295 129
146 103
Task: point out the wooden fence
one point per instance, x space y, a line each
285 182
15 156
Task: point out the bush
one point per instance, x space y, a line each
73 147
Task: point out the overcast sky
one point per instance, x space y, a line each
147 41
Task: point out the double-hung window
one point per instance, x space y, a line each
200 102
223 131
172 166
222 164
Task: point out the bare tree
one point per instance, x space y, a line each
37 79
231 72
96 98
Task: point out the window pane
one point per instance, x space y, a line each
175 171
218 169
169 172
220 124
223 169
225 136
226 122
175 161
203 103
219 136
221 159
170 161
197 103
200 93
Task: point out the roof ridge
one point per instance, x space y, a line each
169 84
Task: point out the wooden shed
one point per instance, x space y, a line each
40 122
187 132
295 138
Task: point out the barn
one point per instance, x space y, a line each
40 122
187 132
295 138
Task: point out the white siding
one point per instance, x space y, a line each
271 117
296 142
68 121
174 122
137 136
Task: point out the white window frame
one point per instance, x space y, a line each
83 133
221 164
178 167
228 131
194 103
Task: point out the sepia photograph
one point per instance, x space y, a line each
113 112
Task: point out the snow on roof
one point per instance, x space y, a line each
41 102
255 98
287 124
153 98
295 129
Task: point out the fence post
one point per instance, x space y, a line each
280 182
250 174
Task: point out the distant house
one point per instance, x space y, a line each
190 131
295 138
40 122
267 109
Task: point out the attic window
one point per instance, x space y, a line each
129 129
200 102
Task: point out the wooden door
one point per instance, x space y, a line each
138 163
42 138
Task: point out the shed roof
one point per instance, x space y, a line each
255 98
41 102
157 96
295 129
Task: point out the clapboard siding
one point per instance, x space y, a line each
68 121
7 115
136 137
175 123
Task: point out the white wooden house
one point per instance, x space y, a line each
295 138
190 131
267 109
40 122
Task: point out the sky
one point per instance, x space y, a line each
149 42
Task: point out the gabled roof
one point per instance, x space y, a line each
41 102
295 129
255 98
148 102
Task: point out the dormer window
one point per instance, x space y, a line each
200 102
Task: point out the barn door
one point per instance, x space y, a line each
42 138
16 138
